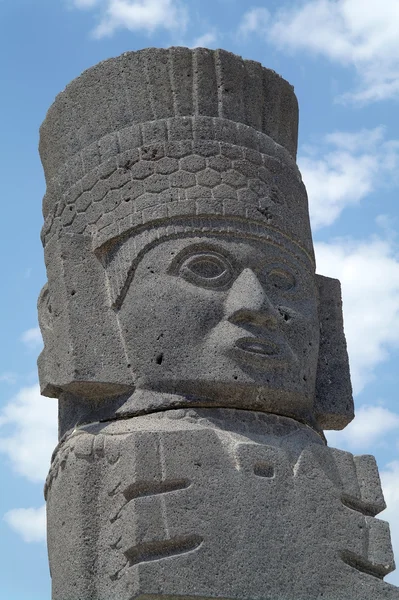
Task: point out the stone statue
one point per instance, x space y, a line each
196 356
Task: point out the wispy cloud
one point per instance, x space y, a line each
32 338
344 168
254 21
353 33
9 378
28 433
370 426
136 15
29 523
369 275
207 40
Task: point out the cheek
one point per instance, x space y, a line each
168 309
303 335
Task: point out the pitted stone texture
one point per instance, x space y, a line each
129 139
333 384
122 150
181 276
155 84
262 186
83 351
213 504
167 174
201 370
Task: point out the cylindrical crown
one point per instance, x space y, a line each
154 84
164 135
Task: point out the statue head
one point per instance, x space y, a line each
178 247
226 320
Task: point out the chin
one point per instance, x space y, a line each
241 392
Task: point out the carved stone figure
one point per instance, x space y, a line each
196 356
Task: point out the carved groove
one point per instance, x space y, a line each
119 573
150 551
364 566
150 488
359 506
116 545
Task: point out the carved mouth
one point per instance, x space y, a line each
258 347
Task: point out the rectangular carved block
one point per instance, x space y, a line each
334 402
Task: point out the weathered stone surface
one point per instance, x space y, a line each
195 354
216 85
333 385
213 504
120 338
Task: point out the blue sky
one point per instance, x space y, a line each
342 56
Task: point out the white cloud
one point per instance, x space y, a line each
8 378
360 34
135 15
32 338
369 275
254 21
370 426
29 523
344 168
28 436
206 40
28 433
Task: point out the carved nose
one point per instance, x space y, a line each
247 302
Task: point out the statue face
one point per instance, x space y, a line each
224 321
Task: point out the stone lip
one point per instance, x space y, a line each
77 413
153 84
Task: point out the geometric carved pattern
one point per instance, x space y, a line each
177 179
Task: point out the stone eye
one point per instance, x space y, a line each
282 280
207 269
206 266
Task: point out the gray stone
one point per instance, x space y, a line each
213 503
333 385
195 354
